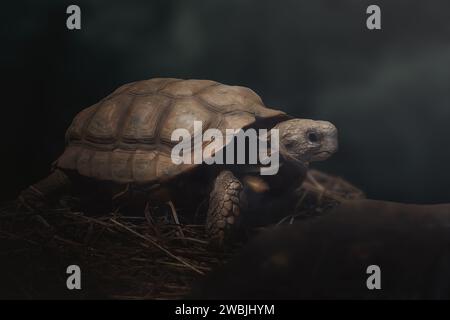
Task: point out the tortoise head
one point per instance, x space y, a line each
305 140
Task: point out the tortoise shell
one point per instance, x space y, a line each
126 137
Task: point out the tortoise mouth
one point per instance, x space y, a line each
322 155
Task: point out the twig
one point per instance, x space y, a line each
175 217
158 246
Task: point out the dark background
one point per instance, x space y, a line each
387 91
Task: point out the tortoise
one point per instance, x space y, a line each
125 139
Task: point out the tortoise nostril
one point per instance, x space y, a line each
312 137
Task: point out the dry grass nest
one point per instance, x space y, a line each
125 257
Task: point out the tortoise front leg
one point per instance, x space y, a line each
224 207
50 188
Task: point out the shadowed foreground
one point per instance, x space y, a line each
144 256
327 257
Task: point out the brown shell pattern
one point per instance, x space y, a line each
126 137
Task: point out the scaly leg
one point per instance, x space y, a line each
50 188
224 207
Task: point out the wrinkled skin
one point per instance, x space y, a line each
301 141
307 140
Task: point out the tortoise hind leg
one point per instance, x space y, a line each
224 207
50 188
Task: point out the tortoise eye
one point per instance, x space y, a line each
313 137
